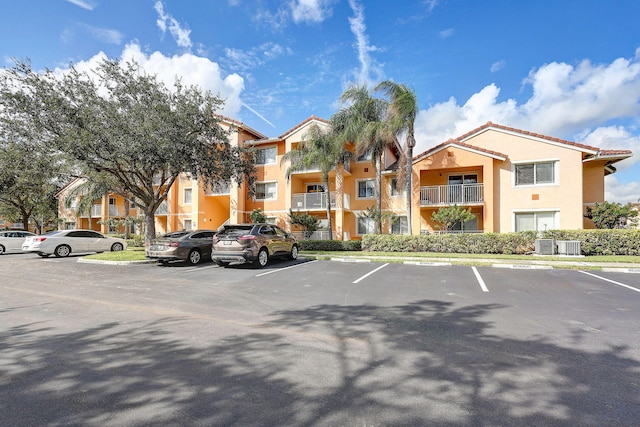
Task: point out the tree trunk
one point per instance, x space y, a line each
328 193
25 220
409 188
149 227
379 195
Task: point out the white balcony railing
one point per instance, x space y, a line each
316 235
219 188
311 201
96 211
459 194
163 209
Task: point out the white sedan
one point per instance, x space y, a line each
61 243
11 241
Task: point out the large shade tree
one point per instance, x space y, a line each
321 149
121 121
362 121
400 119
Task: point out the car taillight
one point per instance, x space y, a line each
215 239
247 237
39 239
173 244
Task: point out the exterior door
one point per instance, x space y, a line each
461 188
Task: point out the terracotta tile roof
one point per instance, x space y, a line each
527 133
301 124
241 125
456 142
609 153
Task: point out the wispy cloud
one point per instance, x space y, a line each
104 34
244 60
311 11
498 65
166 21
358 28
445 34
85 4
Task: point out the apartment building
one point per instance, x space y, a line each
511 179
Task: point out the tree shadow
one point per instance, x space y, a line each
424 363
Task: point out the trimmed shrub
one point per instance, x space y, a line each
329 245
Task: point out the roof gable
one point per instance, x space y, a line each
463 146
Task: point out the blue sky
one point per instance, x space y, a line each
568 69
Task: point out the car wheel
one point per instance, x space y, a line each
222 263
2 249
294 252
62 251
116 247
194 257
263 258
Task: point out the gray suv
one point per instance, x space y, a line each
254 243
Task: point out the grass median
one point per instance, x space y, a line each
131 254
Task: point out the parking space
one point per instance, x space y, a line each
383 343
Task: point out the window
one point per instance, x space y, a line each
535 221
188 224
266 191
366 156
315 188
470 226
366 225
187 196
400 225
266 156
366 189
535 173
395 191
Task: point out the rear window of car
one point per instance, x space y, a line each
235 230
175 234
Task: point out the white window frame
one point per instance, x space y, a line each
265 183
536 212
402 228
372 225
263 159
188 224
186 191
393 189
373 195
556 173
367 156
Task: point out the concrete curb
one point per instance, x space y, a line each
100 261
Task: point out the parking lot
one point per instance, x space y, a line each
315 343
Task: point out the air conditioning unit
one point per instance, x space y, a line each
545 247
569 247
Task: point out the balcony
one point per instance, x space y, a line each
445 195
219 189
163 209
312 201
316 169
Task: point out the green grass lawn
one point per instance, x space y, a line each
131 254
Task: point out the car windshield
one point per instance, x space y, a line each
235 230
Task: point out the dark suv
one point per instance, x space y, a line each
255 243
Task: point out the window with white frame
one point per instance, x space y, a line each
540 173
366 188
266 156
266 191
366 156
395 191
535 221
400 225
188 225
187 196
366 225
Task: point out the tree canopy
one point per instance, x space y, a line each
612 215
120 121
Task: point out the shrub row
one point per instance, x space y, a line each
593 242
329 245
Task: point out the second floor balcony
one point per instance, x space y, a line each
312 201
458 194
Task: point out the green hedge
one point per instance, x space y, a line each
593 242
329 245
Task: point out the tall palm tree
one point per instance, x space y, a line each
400 118
362 122
321 149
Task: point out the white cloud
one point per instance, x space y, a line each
614 138
164 21
85 4
616 191
367 65
104 34
498 65
444 34
244 60
193 70
310 11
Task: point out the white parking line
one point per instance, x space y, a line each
611 281
483 286
285 268
370 273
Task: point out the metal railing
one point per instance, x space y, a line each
458 194
316 235
310 201
163 209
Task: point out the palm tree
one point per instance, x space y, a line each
400 118
362 122
321 149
